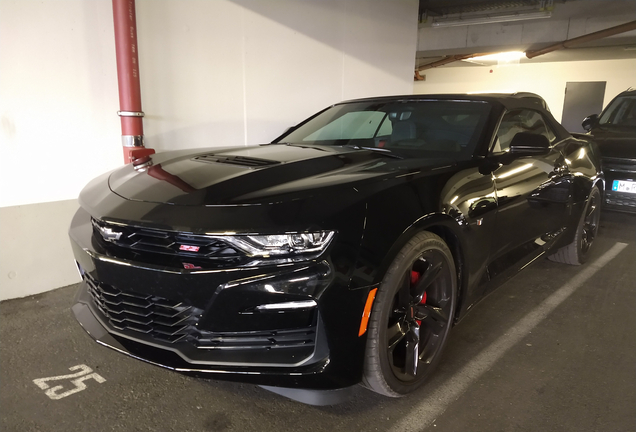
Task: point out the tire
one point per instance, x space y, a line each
411 317
576 252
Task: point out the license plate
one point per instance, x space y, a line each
624 186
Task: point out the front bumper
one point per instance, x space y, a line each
195 322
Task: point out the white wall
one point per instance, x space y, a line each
58 98
35 253
545 79
213 73
240 72
58 129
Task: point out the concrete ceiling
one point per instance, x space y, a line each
567 19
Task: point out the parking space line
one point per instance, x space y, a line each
433 405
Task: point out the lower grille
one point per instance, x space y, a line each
170 322
162 319
257 340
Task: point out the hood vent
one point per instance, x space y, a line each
236 160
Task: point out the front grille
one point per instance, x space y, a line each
621 199
619 165
257 340
236 160
172 243
160 318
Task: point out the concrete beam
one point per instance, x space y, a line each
570 20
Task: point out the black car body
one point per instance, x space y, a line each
614 130
340 253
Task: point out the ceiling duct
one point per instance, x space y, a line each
444 7
445 14
491 18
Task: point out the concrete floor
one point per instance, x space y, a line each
574 371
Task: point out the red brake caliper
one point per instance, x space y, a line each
415 276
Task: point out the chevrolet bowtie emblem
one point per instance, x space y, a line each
108 234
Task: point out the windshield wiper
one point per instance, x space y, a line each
309 146
385 152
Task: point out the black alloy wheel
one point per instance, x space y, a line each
591 219
411 317
576 252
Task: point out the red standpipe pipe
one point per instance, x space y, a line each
126 48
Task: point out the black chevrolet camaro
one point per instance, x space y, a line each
341 253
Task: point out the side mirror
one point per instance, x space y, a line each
528 144
589 122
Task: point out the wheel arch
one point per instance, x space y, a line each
448 230
451 239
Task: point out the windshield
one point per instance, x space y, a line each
621 112
435 128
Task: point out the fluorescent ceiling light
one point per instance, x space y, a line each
490 19
499 57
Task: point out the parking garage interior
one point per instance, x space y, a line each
552 349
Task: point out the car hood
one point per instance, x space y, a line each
253 175
616 142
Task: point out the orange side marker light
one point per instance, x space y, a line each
367 312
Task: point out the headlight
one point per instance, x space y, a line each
282 244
